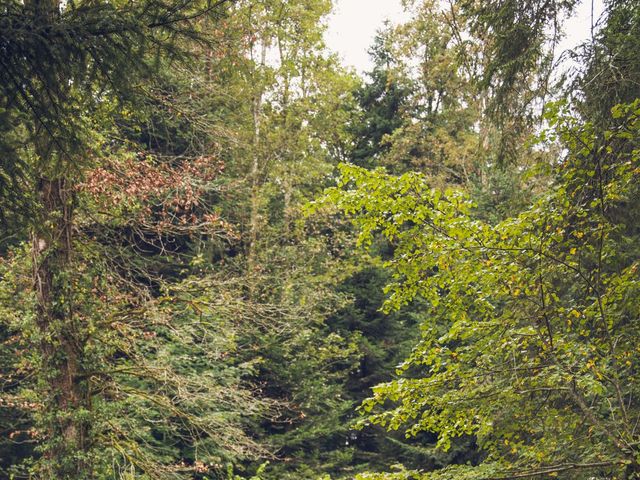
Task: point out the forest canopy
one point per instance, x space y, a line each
226 255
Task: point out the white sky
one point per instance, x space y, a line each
353 25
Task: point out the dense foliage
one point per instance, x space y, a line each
185 293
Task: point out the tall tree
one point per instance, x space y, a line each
524 344
381 101
64 67
530 319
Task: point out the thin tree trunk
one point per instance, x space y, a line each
254 222
288 209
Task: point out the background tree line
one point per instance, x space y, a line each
171 309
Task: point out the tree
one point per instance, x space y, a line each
610 71
531 320
66 68
381 102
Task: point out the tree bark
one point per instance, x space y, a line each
254 222
66 396
63 388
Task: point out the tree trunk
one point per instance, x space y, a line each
254 222
64 391
66 397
